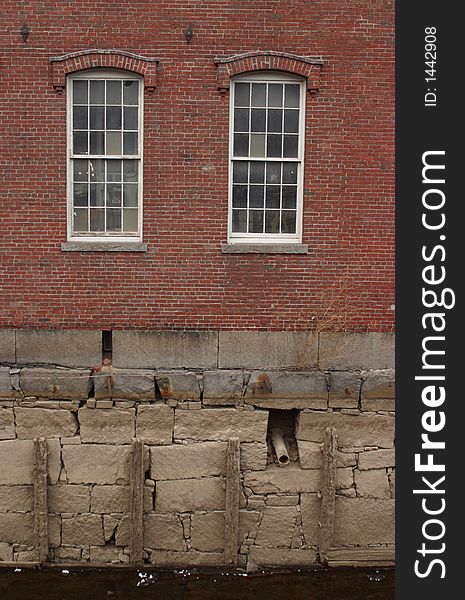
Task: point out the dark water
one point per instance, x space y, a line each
335 584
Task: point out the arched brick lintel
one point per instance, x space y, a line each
305 66
109 59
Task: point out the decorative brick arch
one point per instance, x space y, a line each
305 66
109 59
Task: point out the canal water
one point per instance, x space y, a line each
67 584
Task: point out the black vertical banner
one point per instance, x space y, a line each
430 419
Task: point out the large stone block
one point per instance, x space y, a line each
221 424
372 484
105 555
282 557
7 424
97 463
269 350
360 521
223 387
43 422
310 454
110 499
107 426
6 552
155 423
276 480
165 349
6 389
202 459
7 346
189 495
352 430
17 528
378 384
16 464
132 384
344 389
83 530
178 385
376 459
345 351
168 558
68 499
253 456
277 526
310 505
286 390
61 384
208 530
15 498
76 348
163 532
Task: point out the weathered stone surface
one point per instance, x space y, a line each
122 532
310 454
223 387
345 351
42 422
352 430
392 483
277 526
344 478
109 499
189 495
76 348
96 463
378 384
178 385
310 505
54 531
286 390
345 459
283 480
155 423
208 530
165 349
344 389
260 349
376 459
163 532
253 456
83 530
107 426
55 383
16 461
221 424
6 389
15 497
6 552
282 500
362 557
372 484
68 499
138 384
67 554
7 424
282 557
105 555
202 459
379 404
17 528
168 558
360 521
7 346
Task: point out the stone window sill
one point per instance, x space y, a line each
77 246
264 248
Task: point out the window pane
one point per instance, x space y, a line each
258 119
113 92
113 142
79 92
241 94
80 194
274 146
257 145
255 221
257 172
273 172
113 170
292 96
80 142
275 120
239 221
130 117
291 121
97 92
291 146
130 220
239 196
130 143
289 196
114 219
97 194
275 94
131 92
272 221
256 193
240 169
241 119
97 169
80 170
97 142
289 172
130 194
80 117
273 193
97 117
258 94
97 219
288 221
241 144
114 194
113 117
80 216
130 170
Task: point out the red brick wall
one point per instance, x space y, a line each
184 280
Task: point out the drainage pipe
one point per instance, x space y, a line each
279 446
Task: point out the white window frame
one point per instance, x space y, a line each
267 238
103 236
